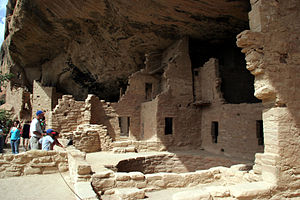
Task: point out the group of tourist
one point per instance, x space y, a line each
39 138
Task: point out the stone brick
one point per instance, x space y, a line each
105 174
122 176
173 180
130 193
83 169
138 176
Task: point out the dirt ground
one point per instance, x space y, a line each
36 187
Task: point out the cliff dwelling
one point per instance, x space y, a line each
199 96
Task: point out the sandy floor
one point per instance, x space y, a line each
36 187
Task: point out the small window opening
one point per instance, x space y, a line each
196 73
148 90
214 131
124 124
168 126
260 132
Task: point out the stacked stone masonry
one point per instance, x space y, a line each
108 182
272 55
33 162
92 138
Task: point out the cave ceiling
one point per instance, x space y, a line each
92 46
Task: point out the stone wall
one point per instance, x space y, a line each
130 103
44 98
67 115
148 120
92 138
79 169
175 101
108 182
33 162
237 123
18 101
272 54
109 118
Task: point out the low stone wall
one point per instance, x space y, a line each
173 163
107 182
33 162
79 169
139 146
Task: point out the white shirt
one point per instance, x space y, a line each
46 142
35 126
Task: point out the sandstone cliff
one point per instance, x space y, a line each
92 46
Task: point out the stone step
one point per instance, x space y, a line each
125 143
130 149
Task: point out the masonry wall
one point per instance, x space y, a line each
42 99
273 55
237 123
68 114
92 138
109 118
18 101
175 101
148 120
130 103
33 162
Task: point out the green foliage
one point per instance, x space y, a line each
5 120
4 78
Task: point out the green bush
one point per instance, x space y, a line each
5 120
4 78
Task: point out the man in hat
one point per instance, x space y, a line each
36 131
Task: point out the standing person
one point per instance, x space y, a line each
47 140
14 135
36 130
1 140
25 135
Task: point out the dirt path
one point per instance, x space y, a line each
36 187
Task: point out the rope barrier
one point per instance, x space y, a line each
66 181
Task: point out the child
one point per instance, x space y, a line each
54 135
47 141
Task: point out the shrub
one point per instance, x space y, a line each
5 120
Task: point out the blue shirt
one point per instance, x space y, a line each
14 134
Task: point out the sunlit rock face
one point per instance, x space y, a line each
92 46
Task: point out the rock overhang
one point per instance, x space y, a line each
92 46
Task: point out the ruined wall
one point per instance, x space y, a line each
41 99
45 99
237 123
272 52
33 162
130 103
109 118
67 115
92 138
174 102
18 101
108 182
